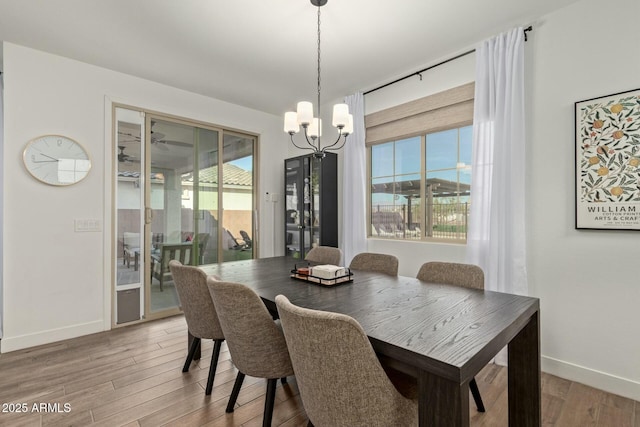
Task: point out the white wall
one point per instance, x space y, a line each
1 189
438 79
587 281
56 281
413 254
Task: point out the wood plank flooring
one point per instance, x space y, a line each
133 376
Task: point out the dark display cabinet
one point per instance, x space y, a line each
311 203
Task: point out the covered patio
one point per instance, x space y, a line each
404 220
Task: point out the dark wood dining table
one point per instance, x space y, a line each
441 334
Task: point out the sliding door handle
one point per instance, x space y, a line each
148 215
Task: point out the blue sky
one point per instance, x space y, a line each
245 163
400 161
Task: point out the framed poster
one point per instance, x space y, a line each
608 162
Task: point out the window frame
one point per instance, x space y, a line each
450 109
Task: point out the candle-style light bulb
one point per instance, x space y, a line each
291 122
340 115
315 128
348 129
305 113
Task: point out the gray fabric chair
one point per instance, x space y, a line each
379 263
256 344
340 379
324 255
465 275
200 313
452 273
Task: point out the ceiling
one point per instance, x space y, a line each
172 146
262 54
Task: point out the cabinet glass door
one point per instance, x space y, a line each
299 207
314 191
311 203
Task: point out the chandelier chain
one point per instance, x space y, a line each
311 125
318 61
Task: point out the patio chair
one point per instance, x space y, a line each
230 242
130 244
167 252
247 240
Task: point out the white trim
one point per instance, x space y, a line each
601 380
2 149
52 335
108 293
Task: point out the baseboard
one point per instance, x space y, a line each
601 380
53 335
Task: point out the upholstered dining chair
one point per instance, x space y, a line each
452 273
200 313
256 344
379 263
324 255
465 275
340 379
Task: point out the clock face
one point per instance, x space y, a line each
56 160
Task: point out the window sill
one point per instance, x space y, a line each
426 240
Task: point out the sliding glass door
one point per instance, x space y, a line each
129 270
174 207
237 197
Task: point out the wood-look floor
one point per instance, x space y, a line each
132 376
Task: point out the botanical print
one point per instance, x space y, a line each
608 162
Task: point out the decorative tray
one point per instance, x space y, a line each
302 273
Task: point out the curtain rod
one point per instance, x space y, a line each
419 73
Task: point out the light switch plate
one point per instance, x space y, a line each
86 225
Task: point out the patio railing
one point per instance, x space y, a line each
442 221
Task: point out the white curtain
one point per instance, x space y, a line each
496 235
354 196
1 197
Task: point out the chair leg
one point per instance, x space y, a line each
234 393
473 385
192 351
269 401
214 363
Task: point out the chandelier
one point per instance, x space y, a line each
312 126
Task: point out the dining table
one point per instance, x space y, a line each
443 335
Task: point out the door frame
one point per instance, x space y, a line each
148 114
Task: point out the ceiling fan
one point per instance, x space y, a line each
157 139
155 136
125 158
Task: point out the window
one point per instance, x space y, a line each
420 185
